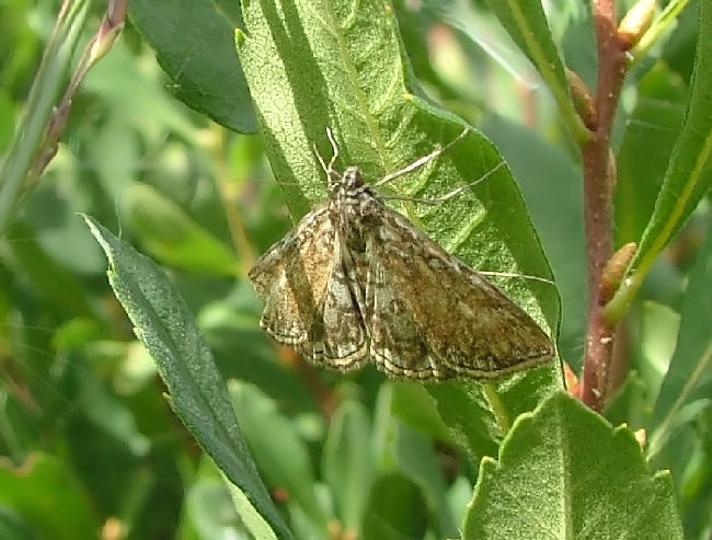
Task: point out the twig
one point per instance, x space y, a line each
599 181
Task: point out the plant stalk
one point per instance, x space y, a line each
37 137
599 182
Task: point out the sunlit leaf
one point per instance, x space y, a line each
564 472
319 61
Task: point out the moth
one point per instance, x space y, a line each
356 281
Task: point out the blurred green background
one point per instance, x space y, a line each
89 445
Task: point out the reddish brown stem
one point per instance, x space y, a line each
599 180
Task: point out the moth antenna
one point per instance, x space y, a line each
421 161
321 159
451 194
519 276
335 147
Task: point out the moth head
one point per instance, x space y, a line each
351 179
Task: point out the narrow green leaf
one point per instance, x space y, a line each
651 131
348 462
197 393
396 509
330 63
400 448
193 42
688 175
564 472
412 404
281 455
172 236
526 23
689 370
657 333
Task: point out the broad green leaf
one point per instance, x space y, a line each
197 392
564 472
329 63
526 22
688 378
281 455
688 176
49 497
193 42
541 171
347 462
172 236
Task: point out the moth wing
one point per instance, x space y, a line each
397 345
467 324
337 337
292 277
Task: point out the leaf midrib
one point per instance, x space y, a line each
352 76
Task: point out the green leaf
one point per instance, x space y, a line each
400 448
197 393
688 176
172 236
412 404
348 463
193 42
688 376
564 472
526 23
396 509
469 418
330 64
651 131
281 455
49 497
542 170
208 511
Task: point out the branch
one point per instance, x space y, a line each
599 181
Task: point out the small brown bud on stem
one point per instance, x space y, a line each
614 271
635 23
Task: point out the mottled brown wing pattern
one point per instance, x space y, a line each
337 338
292 278
397 345
469 327
308 299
